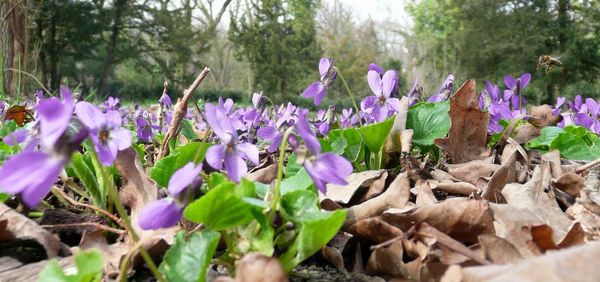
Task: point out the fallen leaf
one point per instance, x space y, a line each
388 261
256 267
19 114
542 237
31 271
467 138
14 225
459 188
571 183
424 229
424 194
472 171
375 188
526 132
572 264
334 256
460 218
553 157
394 140
396 196
542 116
264 175
374 229
493 191
344 193
498 250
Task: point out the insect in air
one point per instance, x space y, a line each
548 62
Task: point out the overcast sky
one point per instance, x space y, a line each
379 10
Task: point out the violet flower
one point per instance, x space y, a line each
348 119
444 92
318 89
415 93
323 168
230 152
381 103
105 131
560 101
489 95
166 212
16 137
515 88
111 103
145 127
54 116
165 100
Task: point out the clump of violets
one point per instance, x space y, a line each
323 168
272 132
145 127
168 211
231 153
55 150
111 103
445 90
514 91
583 113
105 131
381 105
318 90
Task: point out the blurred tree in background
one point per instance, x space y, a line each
488 39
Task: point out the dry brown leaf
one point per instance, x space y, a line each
394 140
526 132
499 250
460 218
424 194
264 175
572 264
571 183
542 237
20 114
14 225
542 116
459 188
112 253
553 157
374 229
30 272
396 196
334 256
467 138
387 261
472 171
425 230
442 176
344 193
493 191
375 188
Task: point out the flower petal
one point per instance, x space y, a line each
160 214
249 152
214 156
316 91
509 81
324 65
388 82
235 166
183 177
374 82
89 115
121 137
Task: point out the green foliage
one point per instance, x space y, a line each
219 209
315 227
83 168
374 135
353 149
188 258
573 142
89 269
163 170
544 141
428 121
278 39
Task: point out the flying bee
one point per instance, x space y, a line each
548 62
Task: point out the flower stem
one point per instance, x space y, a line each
114 198
276 190
350 94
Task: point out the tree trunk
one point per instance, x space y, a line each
14 47
119 6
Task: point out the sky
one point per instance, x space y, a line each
379 10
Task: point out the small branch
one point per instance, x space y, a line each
587 166
389 242
87 224
179 114
92 207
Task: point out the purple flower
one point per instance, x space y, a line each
318 89
348 119
167 212
515 88
445 90
16 137
560 101
376 68
322 168
104 130
145 127
111 103
381 103
165 100
30 174
54 116
489 95
230 152
415 93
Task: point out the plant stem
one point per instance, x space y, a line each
114 198
276 190
350 94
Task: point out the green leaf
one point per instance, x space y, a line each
86 175
292 167
577 143
315 227
4 197
163 170
543 141
188 130
300 181
375 135
219 209
89 269
89 265
187 260
335 144
428 121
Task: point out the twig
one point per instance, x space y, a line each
179 114
87 224
75 203
587 166
32 76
